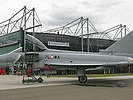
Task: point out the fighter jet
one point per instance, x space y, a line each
118 54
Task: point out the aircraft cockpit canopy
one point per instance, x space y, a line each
35 41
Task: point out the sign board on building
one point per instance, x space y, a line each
58 44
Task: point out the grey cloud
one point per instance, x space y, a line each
86 3
99 8
101 4
60 16
109 3
54 5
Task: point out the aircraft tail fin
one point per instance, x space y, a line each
123 46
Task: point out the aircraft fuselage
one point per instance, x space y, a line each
67 58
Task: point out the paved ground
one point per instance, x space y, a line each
114 88
14 82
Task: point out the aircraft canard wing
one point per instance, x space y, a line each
17 58
11 57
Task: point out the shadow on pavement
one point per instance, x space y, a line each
107 83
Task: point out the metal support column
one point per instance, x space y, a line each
34 58
33 26
88 41
121 29
24 29
82 41
24 35
125 29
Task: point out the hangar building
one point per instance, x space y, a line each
72 43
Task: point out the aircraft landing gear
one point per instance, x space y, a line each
82 79
40 80
31 79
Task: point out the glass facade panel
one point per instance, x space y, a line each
10 42
9 48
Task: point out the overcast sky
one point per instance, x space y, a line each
103 13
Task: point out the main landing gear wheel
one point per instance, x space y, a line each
82 79
40 80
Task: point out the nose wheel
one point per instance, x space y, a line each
82 79
40 80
